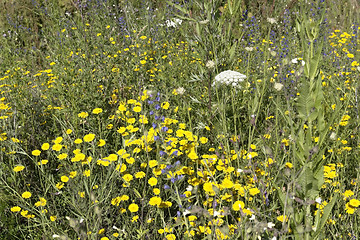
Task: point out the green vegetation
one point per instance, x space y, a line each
121 119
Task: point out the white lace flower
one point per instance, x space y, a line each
229 78
173 23
271 20
278 86
295 60
210 64
180 90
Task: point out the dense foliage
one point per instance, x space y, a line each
218 119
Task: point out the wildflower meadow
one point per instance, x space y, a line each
189 119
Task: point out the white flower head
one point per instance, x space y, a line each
216 213
204 21
186 212
249 49
173 22
271 20
295 60
229 78
278 86
318 200
180 90
210 64
333 136
270 225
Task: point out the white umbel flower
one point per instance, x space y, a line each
173 22
229 77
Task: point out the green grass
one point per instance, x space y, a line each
111 126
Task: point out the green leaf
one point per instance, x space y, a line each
281 196
325 216
137 193
232 51
314 63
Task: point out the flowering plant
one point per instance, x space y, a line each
229 77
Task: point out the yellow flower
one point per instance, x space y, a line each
192 155
57 147
203 140
170 237
89 137
140 174
227 183
122 108
78 141
156 191
135 218
58 140
254 191
18 168
68 131
285 141
64 179
153 163
42 202
155 201
53 218
289 165
83 115
238 205
282 218
124 198
137 109
133 207
26 195
152 181
208 187
349 209
355 64
59 185
62 156
166 204
128 177
86 173
73 174
36 152
15 209
15 140
97 111
45 146
348 193
165 105
101 142
354 203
